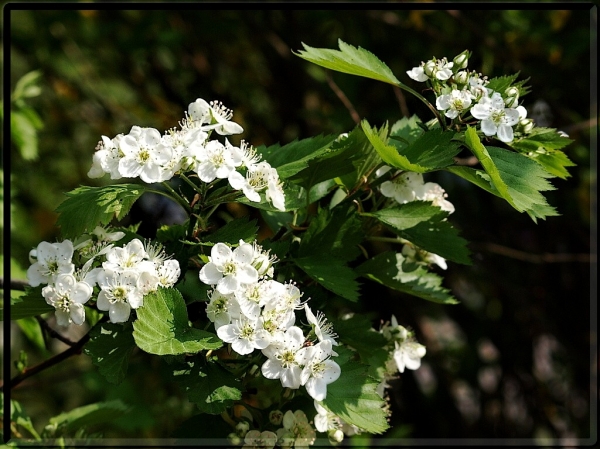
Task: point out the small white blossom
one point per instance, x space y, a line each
228 269
221 308
319 370
296 431
403 188
67 296
51 259
408 354
259 440
454 103
119 294
215 116
322 329
245 335
495 118
431 191
283 360
417 74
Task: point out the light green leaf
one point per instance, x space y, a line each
31 328
554 162
18 416
406 130
349 59
110 346
294 157
475 176
87 207
353 396
162 326
501 83
211 387
331 274
87 415
426 226
432 150
385 268
366 157
31 303
547 138
24 135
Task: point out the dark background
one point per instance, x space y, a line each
513 360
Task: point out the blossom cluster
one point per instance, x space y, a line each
459 91
153 157
405 351
405 187
121 276
251 310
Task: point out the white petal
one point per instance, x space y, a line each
207 172
63 318
488 127
290 377
271 369
229 284
243 253
220 253
119 312
316 388
242 346
228 333
505 133
236 180
103 303
209 274
81 293
247 274
77 313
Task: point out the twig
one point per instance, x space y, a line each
343 98
469 161
401 101
534 258
15 284
53 333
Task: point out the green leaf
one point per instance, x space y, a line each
366 157
554 162
432 149
31 303
31 328
295 156
295 198
18 416
349 59
407 130
109 347
547 138
475 176
162 326
87 415
24 135
336 233
353 397
385 268
518 179
331 274
426 226
211 387
501 83
232 232
87 207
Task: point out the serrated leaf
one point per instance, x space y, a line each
406 129
212 388
366 157
426 226
162 326
518 179
547 138
353 397
349 59
554 162
294 157
31 303
109 347
331 274
475 176
385 268
332 233
87 207
501 83
433 149
331 164
232 232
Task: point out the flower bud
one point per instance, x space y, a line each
335 436
461 61
33 256
429 68
235 440
526 125
276 417
242 428
511 102
461 77
512 92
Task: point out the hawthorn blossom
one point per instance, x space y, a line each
228 269
51 259
418 73
215 116
119 294
143 154
322 329
296 431
408 354
132 257
168 273
433 192
402 188
245 335
67 296
454 103
496 119
106 158
221 308
319 370
216 161
283 359
258 440
439 69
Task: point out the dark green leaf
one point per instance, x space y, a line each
426 226
87 207
232 232
501 83
385 269
406 130
366 157
109 347
349 59
433 149
162 326
331 274
31 303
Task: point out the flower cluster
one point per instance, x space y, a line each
459 91
251 310
153 157
122 275
405 351
405 187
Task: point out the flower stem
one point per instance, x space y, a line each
440 119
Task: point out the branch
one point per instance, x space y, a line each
343 98
534 258
401 101
53 333
15 284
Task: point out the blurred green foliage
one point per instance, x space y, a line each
512 360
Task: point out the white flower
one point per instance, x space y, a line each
422 257
319 370
325 420
263 261
215 115
438 68
259 440
253 297
408 354
119 294
283 362
256 180
495 118
131 257
228 269
296 430
216 161
245 335
275 193
433 192
322 329
106 158
67 296
454 103
222 309
168 273
403 188
417 74
52 259
144 153
105 236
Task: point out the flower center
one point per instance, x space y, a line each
220 110
497 117
246 332
229 268
119 293
143 155
287 358
63 303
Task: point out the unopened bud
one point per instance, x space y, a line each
461 61
235 440
242 428
335 436
511 102
512 92
33 256
429 68
526 125
276 417
461 77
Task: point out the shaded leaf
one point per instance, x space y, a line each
331 274
31 303
240 228
109 347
